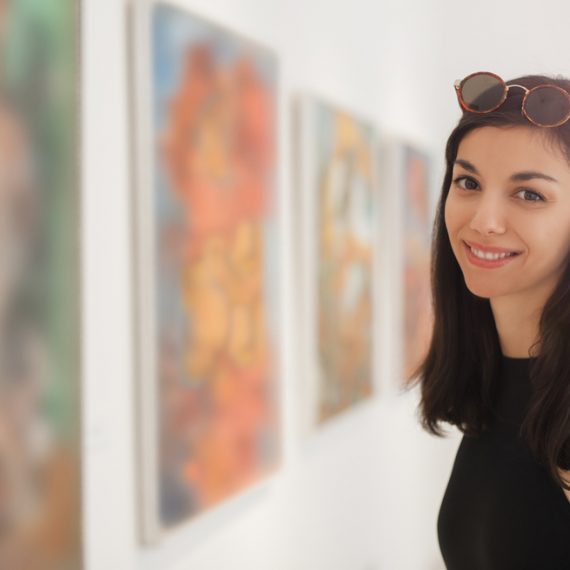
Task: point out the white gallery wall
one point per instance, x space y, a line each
362 494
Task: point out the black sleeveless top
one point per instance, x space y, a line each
501 509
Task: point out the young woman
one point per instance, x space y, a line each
498 366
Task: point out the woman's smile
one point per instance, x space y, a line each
486 260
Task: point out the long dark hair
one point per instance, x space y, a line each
458 375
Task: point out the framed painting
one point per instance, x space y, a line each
416 238
207 261
40 424
337 212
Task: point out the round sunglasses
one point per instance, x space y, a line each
545 105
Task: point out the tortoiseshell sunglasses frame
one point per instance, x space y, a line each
460 82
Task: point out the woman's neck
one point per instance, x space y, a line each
517 326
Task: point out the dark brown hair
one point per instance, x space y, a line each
458 375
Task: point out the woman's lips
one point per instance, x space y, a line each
488 249
487 263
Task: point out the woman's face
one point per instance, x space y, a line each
510 189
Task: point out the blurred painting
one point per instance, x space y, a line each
418 317
212 267
338 197
40 506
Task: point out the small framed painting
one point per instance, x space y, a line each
416 238
337 211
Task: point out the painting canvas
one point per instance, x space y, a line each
40 502
207 264
337 206
417 221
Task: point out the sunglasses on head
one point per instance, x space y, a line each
545 105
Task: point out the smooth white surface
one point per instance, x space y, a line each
364 493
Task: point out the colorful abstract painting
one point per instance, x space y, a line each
338 196
40 503
212 267
418 319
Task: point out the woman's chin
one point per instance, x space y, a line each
485 290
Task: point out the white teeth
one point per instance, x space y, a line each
491 256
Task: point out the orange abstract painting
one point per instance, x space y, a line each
213 192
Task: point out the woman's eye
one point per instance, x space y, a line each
536 196
470 184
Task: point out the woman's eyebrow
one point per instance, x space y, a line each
530 174
467 165
517 177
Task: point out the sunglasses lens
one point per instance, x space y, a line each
547 106
482 92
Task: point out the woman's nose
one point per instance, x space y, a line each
489 216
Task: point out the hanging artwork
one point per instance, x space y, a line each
207 251
40 500
337 207
416 236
